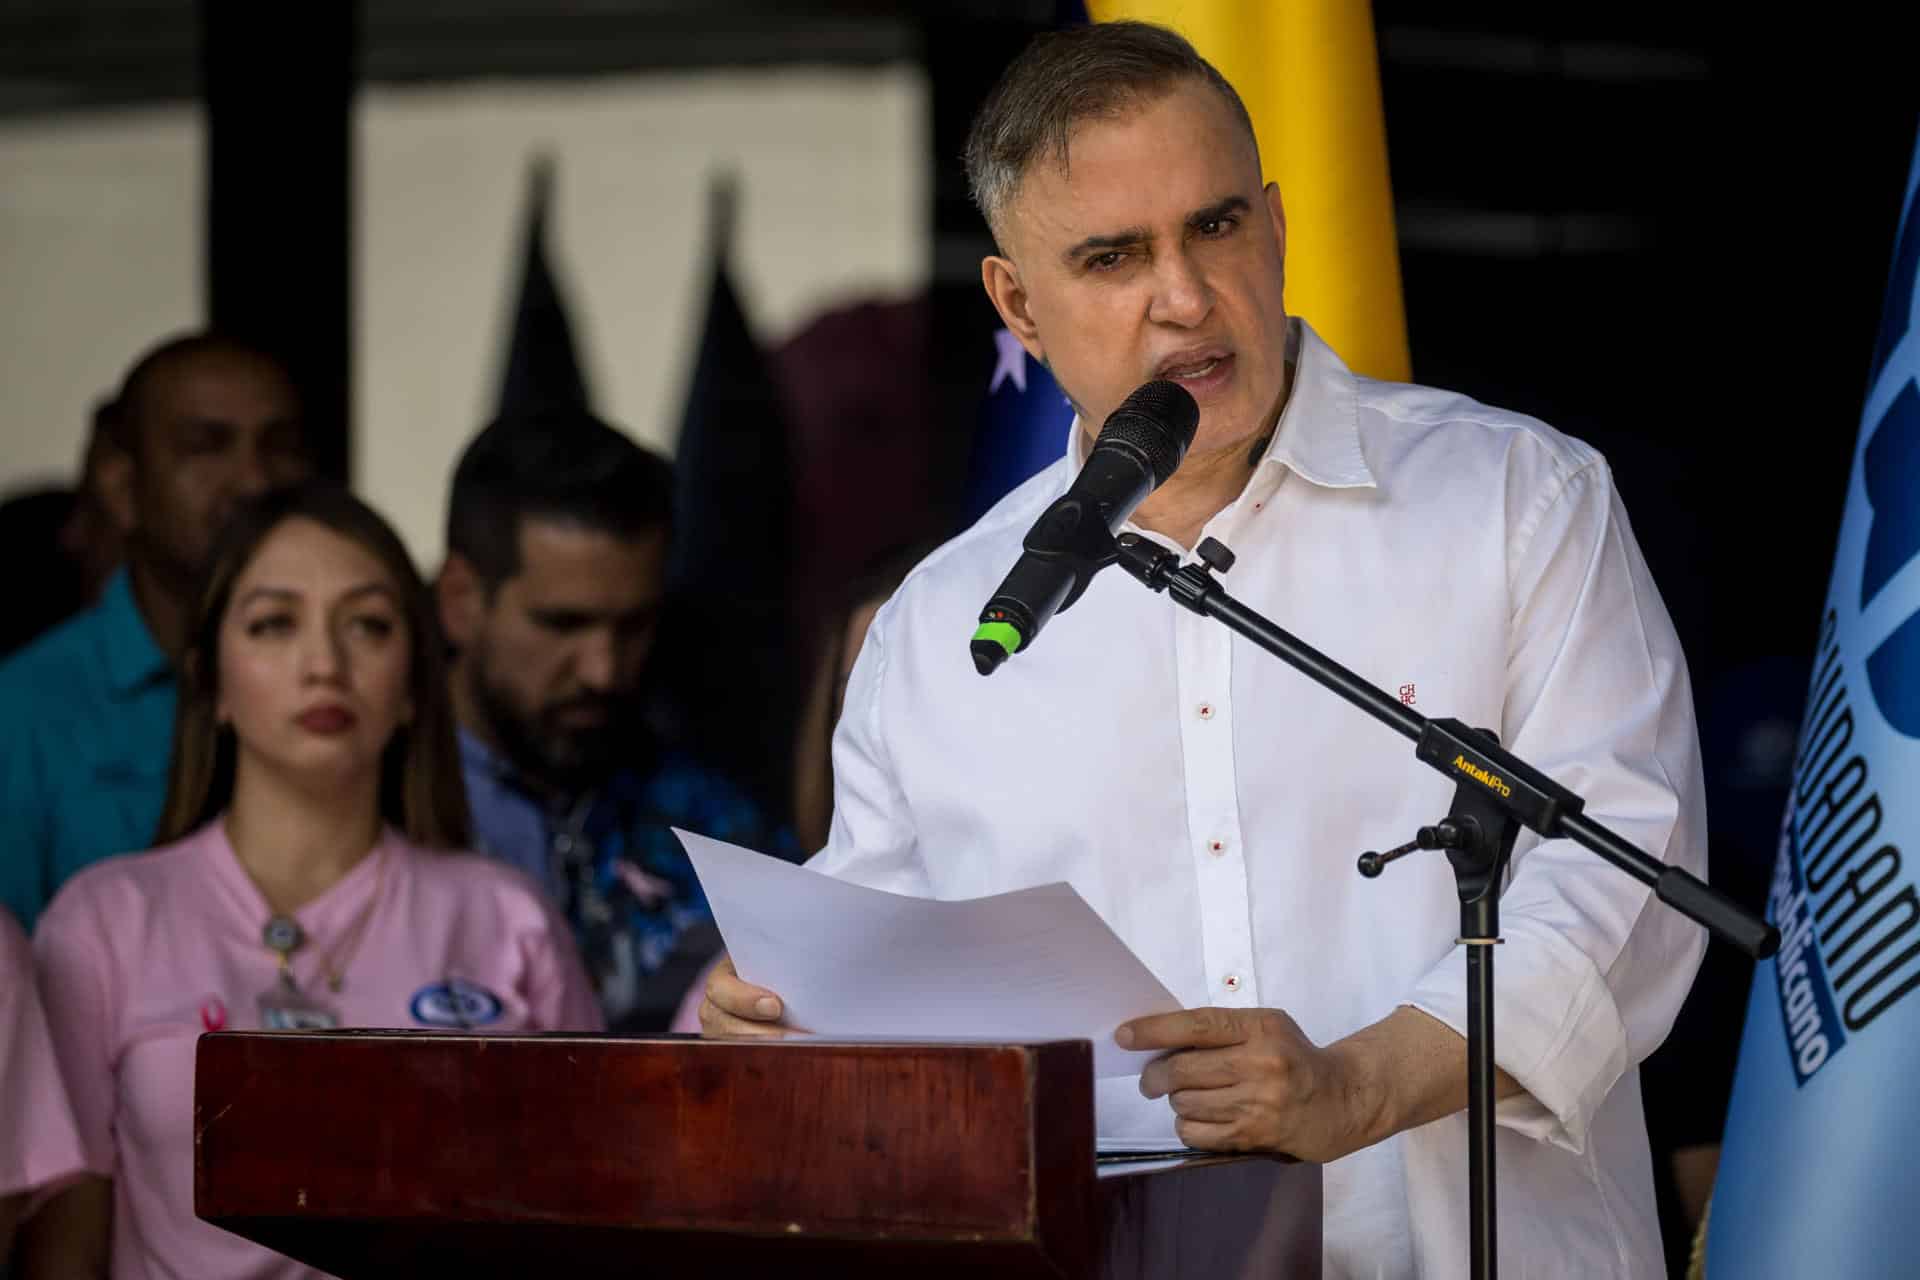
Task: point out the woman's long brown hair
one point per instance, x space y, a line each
422 792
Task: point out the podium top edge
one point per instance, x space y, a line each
435 1036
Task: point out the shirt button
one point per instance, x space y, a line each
563 844
1206 711
1231 982
1217 847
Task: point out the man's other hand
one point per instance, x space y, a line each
734 1007
1250 1080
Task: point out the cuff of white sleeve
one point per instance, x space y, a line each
1556 1030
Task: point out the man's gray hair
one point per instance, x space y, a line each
1096 71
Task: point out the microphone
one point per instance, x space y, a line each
1140 445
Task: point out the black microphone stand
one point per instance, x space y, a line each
1495 794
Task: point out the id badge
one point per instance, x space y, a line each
284 1007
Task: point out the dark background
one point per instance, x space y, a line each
1665 234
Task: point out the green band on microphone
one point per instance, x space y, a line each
1002 634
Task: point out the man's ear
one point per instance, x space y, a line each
1277 214
1001 278
113 485
462 597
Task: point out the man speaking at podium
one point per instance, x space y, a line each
1207 800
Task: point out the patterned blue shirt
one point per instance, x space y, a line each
610 863
88 716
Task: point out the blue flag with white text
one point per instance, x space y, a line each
1823 1133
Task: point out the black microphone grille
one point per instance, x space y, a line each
1157 421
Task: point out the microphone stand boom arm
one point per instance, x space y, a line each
1495 794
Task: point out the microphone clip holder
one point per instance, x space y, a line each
1072 534
1161 570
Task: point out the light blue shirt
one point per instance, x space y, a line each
508 823
87 711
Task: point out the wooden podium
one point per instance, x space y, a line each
398 1153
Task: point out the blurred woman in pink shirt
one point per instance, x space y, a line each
38 1144
304 880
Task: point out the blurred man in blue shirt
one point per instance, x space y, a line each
200 424
557 537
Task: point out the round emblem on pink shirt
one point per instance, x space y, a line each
455 1003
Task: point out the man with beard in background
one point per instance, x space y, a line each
557 537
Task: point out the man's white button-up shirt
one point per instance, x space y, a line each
1209 801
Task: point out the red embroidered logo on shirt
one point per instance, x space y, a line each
213 1014
1406 695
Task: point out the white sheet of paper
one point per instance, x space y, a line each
854 962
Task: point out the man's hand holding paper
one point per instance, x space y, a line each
854 962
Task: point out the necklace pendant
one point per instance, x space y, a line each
283 935
334 983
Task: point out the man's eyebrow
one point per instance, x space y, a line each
1217 210
596 615
1129 236
1117 240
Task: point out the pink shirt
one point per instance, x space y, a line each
139 955
38 1143
687 1016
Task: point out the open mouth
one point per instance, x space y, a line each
1199 373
